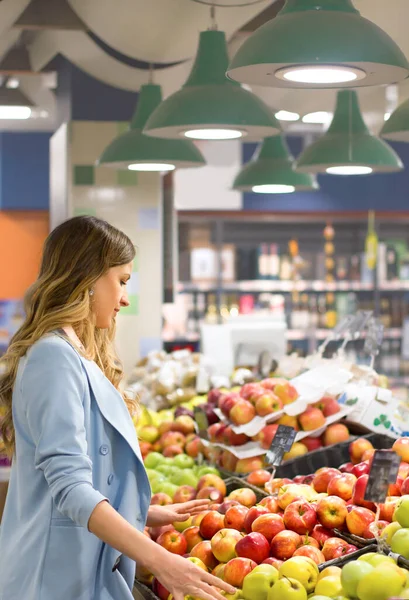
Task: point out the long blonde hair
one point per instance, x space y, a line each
75 255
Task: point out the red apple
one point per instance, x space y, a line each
155 532
203 550
290 421
328 405
286 392
300 516
252 515
234 439
159 590
332 512
347 467
223 544
161 499
269 383
236 570
243 412
197 519
308 540
172 438
357 448
311 552
216 431
192 537
227 401
243 495
312 418
192 447
322 478
358 519
251 390
210 493
164 427
171 451
235 517
342 486
361 468
331 546
184 424
367 455
312 443
211 524
268 404
401 447
359 493
213 396
335 434
274 562
269 525
266 435
173 541
284 544
247 465
321 534
270 503
403 470
395 489
405 486
219 571
224 507
214 481
379 527
277 483
254 546
258 478
388 508
228 461
184 494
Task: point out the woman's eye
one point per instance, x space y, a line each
124 282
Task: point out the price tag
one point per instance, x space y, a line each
282 443
384 471
201 422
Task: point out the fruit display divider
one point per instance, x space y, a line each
343 560
330 456
356 540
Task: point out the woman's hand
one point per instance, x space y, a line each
166 515
183 578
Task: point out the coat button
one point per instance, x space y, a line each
110 478
103 449
139 517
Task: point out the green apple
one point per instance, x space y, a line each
182 525
304 571
257 584
352 574
400 542
375 558
315 597
287 589
168 488
207 471
184 477
329 586
238 595
380 584
153 459
183 461
154 475
401 514
389 531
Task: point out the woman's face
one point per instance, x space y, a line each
110 294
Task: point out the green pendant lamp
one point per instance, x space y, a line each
270 171
396 128
348 148
136 151
319 44
209 106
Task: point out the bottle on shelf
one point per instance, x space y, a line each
330 311
274 263
263 261
211 312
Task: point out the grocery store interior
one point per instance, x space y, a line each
256 152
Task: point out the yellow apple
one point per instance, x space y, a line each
387 533
351 575
304 571
380 584
287 589
329 586
328 571
257 584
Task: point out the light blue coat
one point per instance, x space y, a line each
75 446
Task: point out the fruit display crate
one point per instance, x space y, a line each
343 560
143 592
330 456
234 483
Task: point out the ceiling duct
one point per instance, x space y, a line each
49 14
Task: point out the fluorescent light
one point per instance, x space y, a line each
12 83
15 112
273 189
156 167
320 75
349 170
320 116
286 115
213 134
387 116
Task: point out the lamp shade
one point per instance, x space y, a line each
271 171
319 43
133 149
209 106
396 128
348 148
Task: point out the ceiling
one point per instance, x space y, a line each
162 32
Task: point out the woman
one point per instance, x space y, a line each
79 496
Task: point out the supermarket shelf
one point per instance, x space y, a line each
294 335
261 285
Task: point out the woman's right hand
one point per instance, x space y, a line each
183 578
